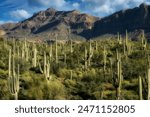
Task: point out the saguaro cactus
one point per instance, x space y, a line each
148 80
34 57
46 67
47 74
104 61
51 53
13 78
144 41
117 77
85 59
56 51
96 46
71 50
71 74
119 38
44 63
140 88
90 54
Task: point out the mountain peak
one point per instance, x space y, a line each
51 10
143 5
81 24
75 11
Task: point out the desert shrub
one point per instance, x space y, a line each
4 92
54 90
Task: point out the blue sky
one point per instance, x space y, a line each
18 10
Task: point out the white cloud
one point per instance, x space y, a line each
95 7
106 7
20 14
76 5
48 3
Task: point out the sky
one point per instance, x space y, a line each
18 10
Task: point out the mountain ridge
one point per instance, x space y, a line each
66 23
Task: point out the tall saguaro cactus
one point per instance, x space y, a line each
148 80
34 57
104 61
144 41
13 78
140 88
90 54
44 63
85 59
46 68
56 51
117 77
119 38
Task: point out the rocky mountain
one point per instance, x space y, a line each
51 21
132 20
45 23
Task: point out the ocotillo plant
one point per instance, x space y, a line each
140 88
13 78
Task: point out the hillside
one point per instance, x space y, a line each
49 21
79 25
92 70
133 20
